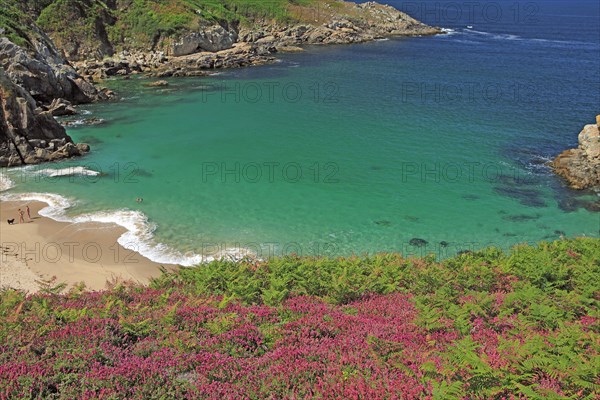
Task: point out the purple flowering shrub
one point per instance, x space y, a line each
480 326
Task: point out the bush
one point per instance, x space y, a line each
485 325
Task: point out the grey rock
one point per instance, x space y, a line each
157 84
43 72
27 135
83 148
38 143
61 107
214 38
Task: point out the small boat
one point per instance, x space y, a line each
469 26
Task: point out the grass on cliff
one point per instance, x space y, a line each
486 325
14 22
135 23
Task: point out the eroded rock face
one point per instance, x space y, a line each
214 38
27 134
581 166
44 73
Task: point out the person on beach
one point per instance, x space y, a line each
28 212
21 214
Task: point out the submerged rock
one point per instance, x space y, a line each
581 166
418 242
383 223
157 84
526 196
521 217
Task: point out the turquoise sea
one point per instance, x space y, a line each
350 149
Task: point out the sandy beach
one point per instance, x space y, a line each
42 250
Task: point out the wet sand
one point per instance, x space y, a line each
42 250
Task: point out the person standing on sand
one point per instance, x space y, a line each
28 212
21 214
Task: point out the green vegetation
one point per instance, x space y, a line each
86 25
14 22
568 270
484 325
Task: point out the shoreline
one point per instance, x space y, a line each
43 250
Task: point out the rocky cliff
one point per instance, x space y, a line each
36 84
96 30
118 37
581 166
346 22
41 70
29 135
254 41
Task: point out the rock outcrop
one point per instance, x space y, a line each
29 135
346 23
44 73
581 166
214 38
158 65
214 47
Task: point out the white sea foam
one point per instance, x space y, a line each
5 182
139 235
82 122
69 171
57 205
449 31
508 36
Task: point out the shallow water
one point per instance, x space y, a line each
351 149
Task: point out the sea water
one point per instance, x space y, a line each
349 149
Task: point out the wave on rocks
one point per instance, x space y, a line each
449 31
